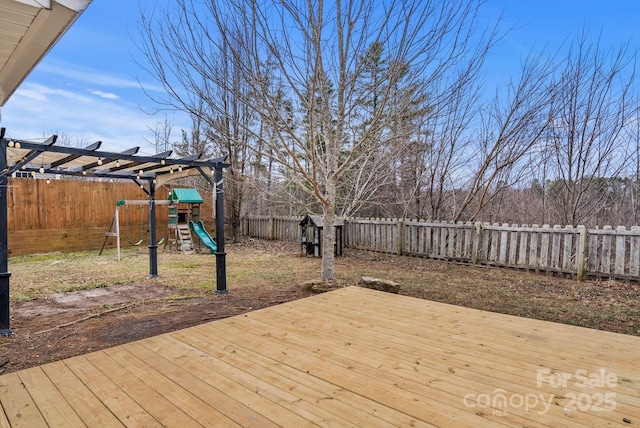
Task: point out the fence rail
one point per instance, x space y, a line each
575 251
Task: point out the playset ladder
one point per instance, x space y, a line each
185 240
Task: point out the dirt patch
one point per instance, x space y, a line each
64 325
77 302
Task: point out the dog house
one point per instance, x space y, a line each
311 235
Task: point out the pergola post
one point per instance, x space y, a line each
153 244
4 247
221 264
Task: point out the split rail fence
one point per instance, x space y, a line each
576 251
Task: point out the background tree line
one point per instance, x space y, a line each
383 109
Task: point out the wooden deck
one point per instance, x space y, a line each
352 357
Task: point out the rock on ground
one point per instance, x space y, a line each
380 284
320 286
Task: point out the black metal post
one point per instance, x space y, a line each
153 244
4 247
221 263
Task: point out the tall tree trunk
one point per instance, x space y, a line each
329 232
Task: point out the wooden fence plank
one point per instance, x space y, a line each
503 244
592 259
394 232
533 248
435 241
555 248
427 240
544 246
522 255
567 249
581 249
493 252
410 238
421 234
459 241
620 255
513 247
468 244
476 244
605 264
400 237
443 240
451 240
483 254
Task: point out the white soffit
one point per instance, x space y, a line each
77 5
28 29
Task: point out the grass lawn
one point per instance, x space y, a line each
274 267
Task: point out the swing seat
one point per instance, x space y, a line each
117 234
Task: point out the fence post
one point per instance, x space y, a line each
476 243
581 250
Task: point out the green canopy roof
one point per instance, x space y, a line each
186 195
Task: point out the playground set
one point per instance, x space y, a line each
182 223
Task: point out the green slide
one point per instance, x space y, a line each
205 238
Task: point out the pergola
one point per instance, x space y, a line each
44 159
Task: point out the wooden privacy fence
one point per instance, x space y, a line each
575 251
73 215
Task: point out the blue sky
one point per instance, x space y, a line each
87 88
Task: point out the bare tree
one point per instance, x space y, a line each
316 54
447 140
161 131
586 145
507 144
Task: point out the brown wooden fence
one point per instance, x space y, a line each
575 251
73 215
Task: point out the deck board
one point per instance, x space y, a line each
43 391
323 393
351 357
18 405
115 401
80 392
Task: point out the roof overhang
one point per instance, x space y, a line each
28 30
